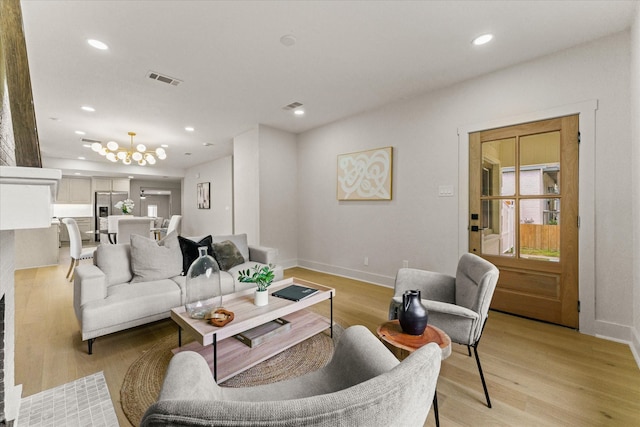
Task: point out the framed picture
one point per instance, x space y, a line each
204 194
365 175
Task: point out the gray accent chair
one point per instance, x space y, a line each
362 385
458 305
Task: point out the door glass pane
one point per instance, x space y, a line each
498 227
498 162
540 164
540 229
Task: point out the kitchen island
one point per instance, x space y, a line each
37 247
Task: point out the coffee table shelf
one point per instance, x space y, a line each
226 355
234 357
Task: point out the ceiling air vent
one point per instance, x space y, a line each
164 79
292 106
89 140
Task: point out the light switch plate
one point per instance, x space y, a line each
445 191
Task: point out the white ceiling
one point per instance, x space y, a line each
350 56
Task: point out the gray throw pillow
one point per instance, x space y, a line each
152 260
227 255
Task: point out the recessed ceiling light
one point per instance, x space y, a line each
165 145
130 176
299 112
98 44
82 158
79 132
189 129
288 40
87 108
480 40
77 173
86 145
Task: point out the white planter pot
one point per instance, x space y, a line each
261 298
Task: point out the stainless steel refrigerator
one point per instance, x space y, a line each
104 206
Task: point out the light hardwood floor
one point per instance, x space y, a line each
538 374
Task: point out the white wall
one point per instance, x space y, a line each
278 193
635 134
218 219
246 185
421 227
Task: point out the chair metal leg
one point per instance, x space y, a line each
70 268
90 345
484 384
469 350
435 408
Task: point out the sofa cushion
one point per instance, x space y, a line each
189 250
151 260
114 262
127 302
227 255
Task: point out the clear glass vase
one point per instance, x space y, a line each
203 287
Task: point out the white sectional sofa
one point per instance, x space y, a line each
140 282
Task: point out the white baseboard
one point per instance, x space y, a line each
376 279
635 345
620 333
288 263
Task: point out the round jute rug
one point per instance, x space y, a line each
142 382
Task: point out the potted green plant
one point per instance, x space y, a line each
262 277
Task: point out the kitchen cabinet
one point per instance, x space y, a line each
84 225
74 191
120 184
111 184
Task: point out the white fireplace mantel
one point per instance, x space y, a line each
27 196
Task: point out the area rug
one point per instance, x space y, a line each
84 402
142 382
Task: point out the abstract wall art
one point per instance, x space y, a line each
365 175
203 195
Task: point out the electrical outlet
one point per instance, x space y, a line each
405 263
366 260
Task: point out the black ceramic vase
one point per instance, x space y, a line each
413 315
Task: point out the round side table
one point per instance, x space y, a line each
402 344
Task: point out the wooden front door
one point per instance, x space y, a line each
523 201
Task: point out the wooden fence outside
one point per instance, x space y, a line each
536 236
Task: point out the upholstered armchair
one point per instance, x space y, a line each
362 385
458 305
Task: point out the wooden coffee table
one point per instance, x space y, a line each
402 344
227 356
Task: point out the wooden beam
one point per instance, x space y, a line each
16 64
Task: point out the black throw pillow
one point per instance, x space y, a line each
189 250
